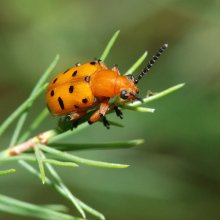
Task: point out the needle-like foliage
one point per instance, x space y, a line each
49 151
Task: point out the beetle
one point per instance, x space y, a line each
91 85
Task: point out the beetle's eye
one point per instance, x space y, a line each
130 77
124 94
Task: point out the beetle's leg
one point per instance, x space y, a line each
105 122
76 115
75 118
97 116
103 109
118 112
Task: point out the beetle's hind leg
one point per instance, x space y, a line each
105 122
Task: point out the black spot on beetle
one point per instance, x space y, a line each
66 70
93 63
52 93
76 106
77 64
71 89
85 100
87 78
74 73
54 80
61 103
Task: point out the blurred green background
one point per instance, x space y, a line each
175 174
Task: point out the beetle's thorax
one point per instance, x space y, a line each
108 83
103 83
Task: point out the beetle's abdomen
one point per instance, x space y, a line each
68 98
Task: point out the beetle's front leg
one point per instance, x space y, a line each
118 112
103 109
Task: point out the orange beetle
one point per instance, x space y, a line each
78 89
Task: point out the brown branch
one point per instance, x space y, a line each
41 138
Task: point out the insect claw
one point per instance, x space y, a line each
74 124
118 112
105 122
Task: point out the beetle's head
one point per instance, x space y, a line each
128 88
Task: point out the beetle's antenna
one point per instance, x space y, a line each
151 63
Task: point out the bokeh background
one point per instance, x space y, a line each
175 174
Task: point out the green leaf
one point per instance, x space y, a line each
23 107
157 96
56 207
18 128
7 158
68 193
6 172
133 68
76 159
57 187
56 183
40 163
92 146
91 210
60 163
14 206
109 46
138 108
